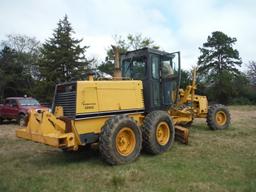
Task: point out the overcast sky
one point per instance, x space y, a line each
175 25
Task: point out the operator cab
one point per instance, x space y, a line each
160 73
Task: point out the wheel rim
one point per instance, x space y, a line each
162 133
221 118
125 141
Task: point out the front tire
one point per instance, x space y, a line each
218 117
22 120
158 132
120 140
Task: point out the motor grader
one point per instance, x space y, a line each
143 107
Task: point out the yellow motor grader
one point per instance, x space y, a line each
143 108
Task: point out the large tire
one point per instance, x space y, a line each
1 120
218 117
158 132
22 120
120 140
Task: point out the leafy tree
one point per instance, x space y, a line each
137 42
107 67
131 42
62 58
26 55
11 77
217 64
251 73
185 78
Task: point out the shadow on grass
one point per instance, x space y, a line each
63 158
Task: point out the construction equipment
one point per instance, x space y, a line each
146 108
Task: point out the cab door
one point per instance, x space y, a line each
170 78
155 81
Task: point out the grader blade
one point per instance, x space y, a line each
181 134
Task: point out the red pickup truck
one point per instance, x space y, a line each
17 108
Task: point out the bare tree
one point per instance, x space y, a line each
27 49
21 43
251 73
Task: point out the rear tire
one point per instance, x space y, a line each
1 120
218 117
158 132
120 140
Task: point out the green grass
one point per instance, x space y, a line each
213 161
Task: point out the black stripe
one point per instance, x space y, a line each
108 113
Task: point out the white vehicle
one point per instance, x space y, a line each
101 75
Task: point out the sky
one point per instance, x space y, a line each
174 25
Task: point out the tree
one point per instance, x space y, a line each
131 42
107 67
26 55
27 49
11 78
185 79
21 43
217 64
251 73
62 57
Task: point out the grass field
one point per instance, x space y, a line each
213 161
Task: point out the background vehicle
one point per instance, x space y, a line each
17 108
148 110
97 74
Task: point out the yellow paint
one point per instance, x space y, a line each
100 96
45 128
162 133
92 97
221 118
125 141
94 125
58 112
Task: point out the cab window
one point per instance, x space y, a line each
155 66
170 66
134 68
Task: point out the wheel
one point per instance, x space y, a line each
1 120
218 117
120 140
22 120
158 132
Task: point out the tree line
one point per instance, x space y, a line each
28 67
